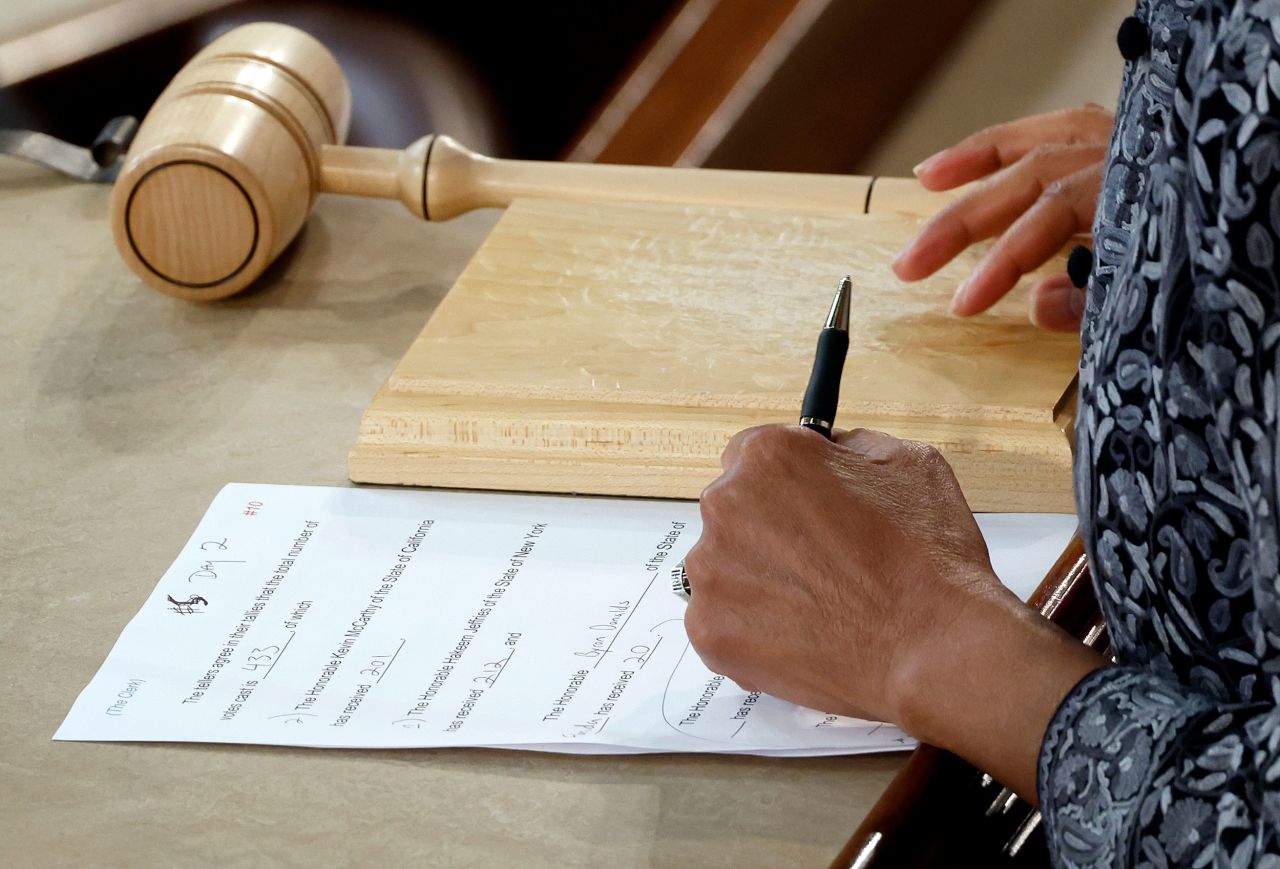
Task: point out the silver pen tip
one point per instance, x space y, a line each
838 318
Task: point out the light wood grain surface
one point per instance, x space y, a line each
125 411
614 349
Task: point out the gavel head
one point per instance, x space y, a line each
226 165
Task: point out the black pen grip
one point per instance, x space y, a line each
823 394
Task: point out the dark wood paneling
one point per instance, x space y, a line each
682 77
805 85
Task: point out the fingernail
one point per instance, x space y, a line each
1076 300
922 165
960 293
901 255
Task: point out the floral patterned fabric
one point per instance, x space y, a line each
1172 757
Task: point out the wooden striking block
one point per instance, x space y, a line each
614 349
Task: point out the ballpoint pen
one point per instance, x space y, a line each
818 410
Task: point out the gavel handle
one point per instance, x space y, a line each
437 179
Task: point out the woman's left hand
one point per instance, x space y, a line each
1040 181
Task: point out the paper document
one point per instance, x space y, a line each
374 618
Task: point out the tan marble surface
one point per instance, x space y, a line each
123 413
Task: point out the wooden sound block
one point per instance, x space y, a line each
614 349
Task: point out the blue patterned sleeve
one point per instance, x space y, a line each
1137 770
1172 757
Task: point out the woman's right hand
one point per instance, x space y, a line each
1042 176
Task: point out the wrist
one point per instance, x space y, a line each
928 676
986 685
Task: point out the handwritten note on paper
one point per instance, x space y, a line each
369 618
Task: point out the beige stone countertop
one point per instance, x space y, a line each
124 412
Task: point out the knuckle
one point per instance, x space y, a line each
845 438
735 443
704 578
1056 190
1043 153
980 138
924 453
695 564
712 497
1090 122
773 440
749 446
716 505
866 440
704 634
765 446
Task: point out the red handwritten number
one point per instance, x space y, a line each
251 509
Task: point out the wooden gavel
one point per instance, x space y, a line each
227 164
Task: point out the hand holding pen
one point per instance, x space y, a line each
849 575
